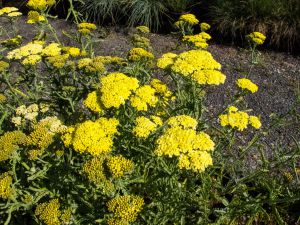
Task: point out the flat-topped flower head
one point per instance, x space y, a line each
40 5
247 84
257 38
189 18
116 88
238 119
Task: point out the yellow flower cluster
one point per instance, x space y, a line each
144 126
72 51
50 213
35 17
3 66
10 11
94 169
40 5
5 185
257 38
161 88
93 102
139 54
30 51
2 98
198 40
116 88
189 19
24 113
183 121
125 208
204 27
140 42
182 140
58 61
247 84
143 29
12 42
95 138
9 143
118 165
238 119
52 49
166 60
91 65
144 97
196 64
85 28
43 135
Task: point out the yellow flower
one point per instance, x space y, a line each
26 50
2 98
14 14
86 28
5 186
189 18
247 84
126 207
58 61
144 126
94 169
257 38
161 88
184 121
143 29
116 89
204 27
86 25
9 143
211 77
7 10
34 17
49 212
93 103
255 122
3 66
32 60
198 40
92 137
138 54
166 60
196 161
40 5
144 97
238 119
52 49
200 66
74 52
118 165
91 65
176 140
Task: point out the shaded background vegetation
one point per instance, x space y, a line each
232 19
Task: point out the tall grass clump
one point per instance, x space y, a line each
152 13
99 139
279 19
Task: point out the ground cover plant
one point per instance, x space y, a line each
92 139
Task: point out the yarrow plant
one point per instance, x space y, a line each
92 139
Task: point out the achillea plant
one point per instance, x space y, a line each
88 139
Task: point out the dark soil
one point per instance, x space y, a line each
277 75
